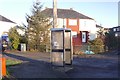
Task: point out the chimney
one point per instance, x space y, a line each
71 8
46 7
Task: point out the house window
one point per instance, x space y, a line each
84 23
72 22
114 29
117 29
116 34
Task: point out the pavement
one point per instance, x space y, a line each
37 65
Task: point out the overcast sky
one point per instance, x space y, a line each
105 12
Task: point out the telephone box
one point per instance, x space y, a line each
61 46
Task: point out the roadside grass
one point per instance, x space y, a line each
9 63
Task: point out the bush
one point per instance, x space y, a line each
97 45
41 48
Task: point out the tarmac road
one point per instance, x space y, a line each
37 65
33 66
96 66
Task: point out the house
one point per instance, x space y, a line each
5 25
116 31
83 27
113 39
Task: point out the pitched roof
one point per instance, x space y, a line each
65 13
117 27
2 18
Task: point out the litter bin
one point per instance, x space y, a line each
61 46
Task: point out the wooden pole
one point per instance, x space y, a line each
54 13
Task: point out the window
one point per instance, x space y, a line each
118 29
72 22
83 36
116 34
114 29
84 23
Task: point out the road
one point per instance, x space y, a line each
96 66
37 65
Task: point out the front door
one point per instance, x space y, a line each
84 39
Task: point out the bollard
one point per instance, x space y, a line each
3 66
0 66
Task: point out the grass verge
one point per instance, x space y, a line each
9 63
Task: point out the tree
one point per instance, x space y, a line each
111 41
97 45
23 36
14 38
101 33
38 28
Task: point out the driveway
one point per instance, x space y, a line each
37 65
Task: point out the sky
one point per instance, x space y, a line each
104 12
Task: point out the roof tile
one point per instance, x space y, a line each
2 18
65 13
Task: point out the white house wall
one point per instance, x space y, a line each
61 22
88 25
5 26
84 25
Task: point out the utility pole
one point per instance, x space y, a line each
54 13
